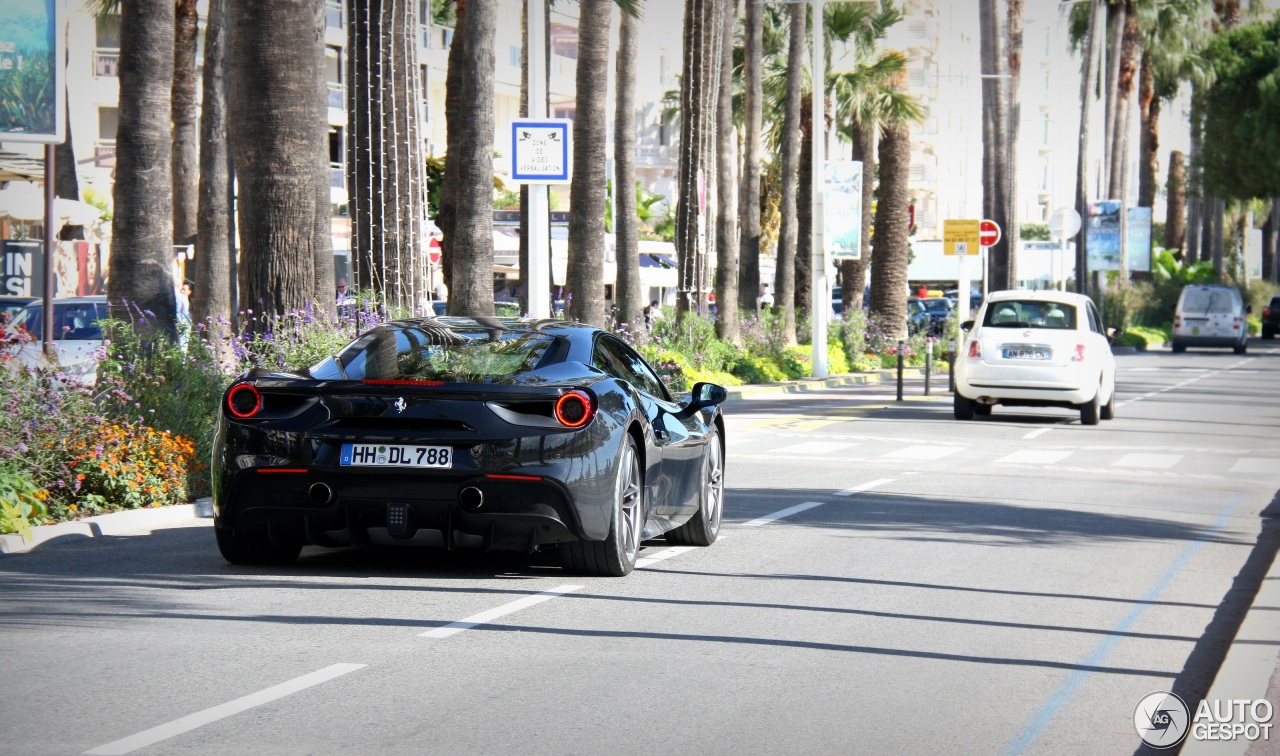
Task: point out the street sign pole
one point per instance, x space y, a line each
538 276
819 294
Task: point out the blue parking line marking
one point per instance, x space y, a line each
1045 716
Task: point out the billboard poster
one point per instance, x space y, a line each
1138 238
79 269
842 209
31 71
1103 229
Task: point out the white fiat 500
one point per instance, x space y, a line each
1036 349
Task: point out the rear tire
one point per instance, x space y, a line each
1268 333
1240 348
1109 409
1090 410
982 410
704 526
1178 347
240 548
615 556
963 407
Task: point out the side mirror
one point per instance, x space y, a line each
966 326
1113 335
704 395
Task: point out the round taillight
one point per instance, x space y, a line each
243 400
575 409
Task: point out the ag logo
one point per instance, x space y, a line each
1161 719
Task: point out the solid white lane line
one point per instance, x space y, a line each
222 711
1034 457
813 447
782 513
1148 461
866 486
665 554
453 628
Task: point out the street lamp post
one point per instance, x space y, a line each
819 263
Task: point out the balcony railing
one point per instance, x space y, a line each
106 63
104 155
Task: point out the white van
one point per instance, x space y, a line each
1210 316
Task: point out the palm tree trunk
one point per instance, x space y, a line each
142 225
1131 50
1088 82
185 158
699 97
785 296
889 274
727 158
1270 247
630 300
804 211
995 155
1175 223
1014 57
1149 110
211 301
1115 40
584 278
522 259
466 194
279 139
853 273
1195 203
753 99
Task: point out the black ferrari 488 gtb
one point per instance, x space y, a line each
469 433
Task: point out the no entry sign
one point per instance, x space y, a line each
988 233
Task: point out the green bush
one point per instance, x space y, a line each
758 370
837 362
1144 337
21 501
39 414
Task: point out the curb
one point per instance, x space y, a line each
113 524
750 391
1251 661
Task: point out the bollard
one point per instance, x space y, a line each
902 347
928 366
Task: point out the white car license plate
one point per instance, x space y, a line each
1026 354
395 455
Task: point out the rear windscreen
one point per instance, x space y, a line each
1207 300
433 351
1030 314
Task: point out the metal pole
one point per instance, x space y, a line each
50 247
902 347
820 305
928 365
539 274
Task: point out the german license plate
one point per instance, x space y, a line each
1026 354
395 455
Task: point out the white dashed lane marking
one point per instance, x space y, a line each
923 452
1255 465
813 447
453 628
1148 461
1034 457
866 486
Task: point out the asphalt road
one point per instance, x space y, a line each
890 580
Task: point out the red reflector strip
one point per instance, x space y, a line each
294 470
497 476
400 382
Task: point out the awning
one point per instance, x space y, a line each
27 204
15 167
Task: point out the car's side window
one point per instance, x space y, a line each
1095 321
632 367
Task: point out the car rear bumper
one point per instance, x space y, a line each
1202 340
1026 384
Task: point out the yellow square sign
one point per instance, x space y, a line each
960 237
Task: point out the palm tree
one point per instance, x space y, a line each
212 301
466 193
699 96
279 139
727 205
753 98
627 231
1013 56
1088 83
142 252
584 278
185 156
1175 219
785 273
889 274
995 155
384 146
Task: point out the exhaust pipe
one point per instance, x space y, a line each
320 494
471 498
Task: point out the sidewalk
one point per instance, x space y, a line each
113 524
